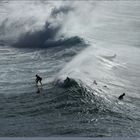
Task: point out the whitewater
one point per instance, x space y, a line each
70 44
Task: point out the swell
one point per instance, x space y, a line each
71 103
91 101
69 97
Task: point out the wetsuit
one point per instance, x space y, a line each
38 79
121 96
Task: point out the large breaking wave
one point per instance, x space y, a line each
31 31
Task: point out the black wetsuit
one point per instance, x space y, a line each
38 79
121 96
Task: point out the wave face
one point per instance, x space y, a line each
87 54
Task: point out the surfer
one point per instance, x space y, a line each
67 79
121 96
94 82
38 79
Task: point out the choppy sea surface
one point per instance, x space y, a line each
70 44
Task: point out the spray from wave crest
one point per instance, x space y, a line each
32 29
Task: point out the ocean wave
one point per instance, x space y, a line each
94 99
45 39
35 31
